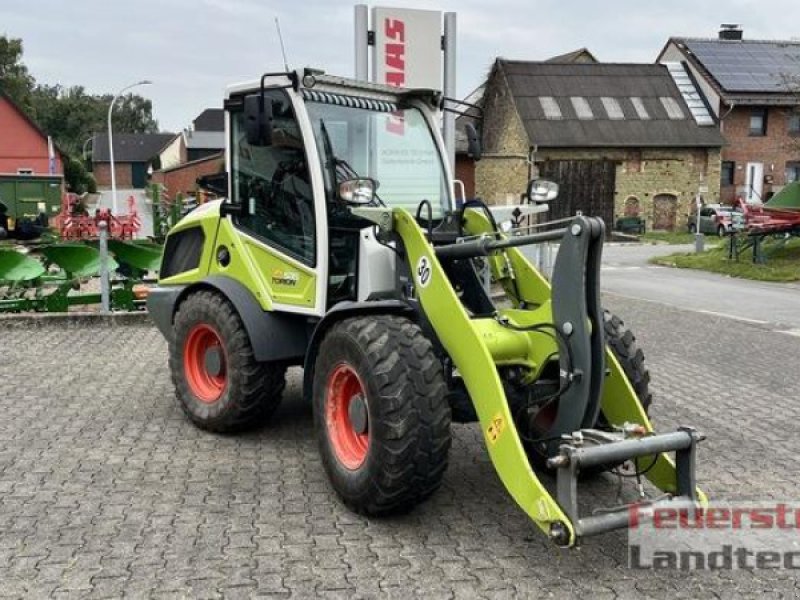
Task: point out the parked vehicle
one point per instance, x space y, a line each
379 299
633 225
716 220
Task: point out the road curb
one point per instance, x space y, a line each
75 319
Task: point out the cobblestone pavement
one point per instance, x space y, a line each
105 488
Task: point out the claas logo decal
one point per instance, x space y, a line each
395 59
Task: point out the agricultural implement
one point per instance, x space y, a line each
341 249
48 277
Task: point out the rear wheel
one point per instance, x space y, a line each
721 231
219 384
380 413
692 228
631 358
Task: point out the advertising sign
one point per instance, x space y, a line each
408 50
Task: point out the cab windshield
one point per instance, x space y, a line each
396 149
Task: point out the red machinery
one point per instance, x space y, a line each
75 223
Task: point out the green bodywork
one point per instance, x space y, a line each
268 276
46 279
477 346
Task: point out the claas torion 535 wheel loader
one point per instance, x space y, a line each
341 249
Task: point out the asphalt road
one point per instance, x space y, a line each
626 272
106 490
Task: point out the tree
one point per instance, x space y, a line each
70 115
15 81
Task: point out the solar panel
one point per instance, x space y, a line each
690 95
749 66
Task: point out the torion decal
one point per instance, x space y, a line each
423 271
281 277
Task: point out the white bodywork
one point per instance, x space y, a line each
376 263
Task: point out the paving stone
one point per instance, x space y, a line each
107 490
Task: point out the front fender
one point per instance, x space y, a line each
274 336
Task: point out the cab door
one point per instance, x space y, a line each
275 247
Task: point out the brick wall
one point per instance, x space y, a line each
502 174
102 174
645 174
183 179
772 150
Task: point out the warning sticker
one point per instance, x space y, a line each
495 428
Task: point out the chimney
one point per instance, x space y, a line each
730 31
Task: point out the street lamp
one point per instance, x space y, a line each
111 142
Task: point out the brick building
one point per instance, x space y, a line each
23 145
752 88
620 139
133 155
182 179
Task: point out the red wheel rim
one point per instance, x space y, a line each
349 445
206 385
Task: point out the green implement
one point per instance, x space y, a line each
16 268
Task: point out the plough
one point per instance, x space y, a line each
49 277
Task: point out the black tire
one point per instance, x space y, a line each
405 429
249 392
631 358
721 231
692 228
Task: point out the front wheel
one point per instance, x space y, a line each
380 413
692 228
219 384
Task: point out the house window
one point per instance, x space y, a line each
728 170
794 124
758 122
24 171
792 171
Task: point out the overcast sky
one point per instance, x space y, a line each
192 49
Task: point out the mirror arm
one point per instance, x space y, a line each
229 208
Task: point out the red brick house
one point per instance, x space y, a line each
23 145
752 88
182 179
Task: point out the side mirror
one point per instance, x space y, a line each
474 149
258 120
358 191
541 190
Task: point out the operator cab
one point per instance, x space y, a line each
303 150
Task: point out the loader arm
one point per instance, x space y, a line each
468 351
477 346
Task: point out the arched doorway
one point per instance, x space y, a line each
665 211
632 207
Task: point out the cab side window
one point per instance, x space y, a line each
276 182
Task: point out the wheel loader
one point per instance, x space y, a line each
342 248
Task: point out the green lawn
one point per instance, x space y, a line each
669 237
783 264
